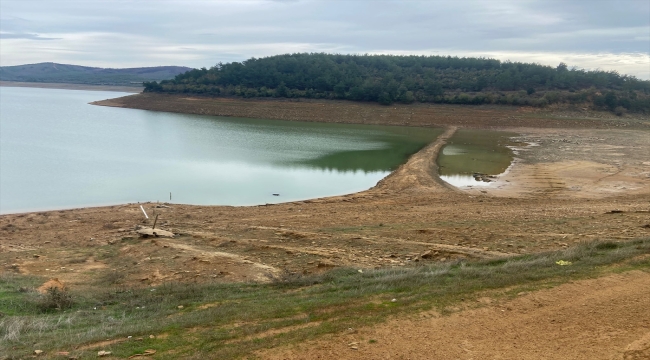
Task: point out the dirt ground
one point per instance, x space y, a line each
605 318
574 180
334 111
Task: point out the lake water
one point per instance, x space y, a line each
57 151
474 151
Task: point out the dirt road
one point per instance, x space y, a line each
605 318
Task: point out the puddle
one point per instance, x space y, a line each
475 157
463 180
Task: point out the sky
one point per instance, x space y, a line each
587 34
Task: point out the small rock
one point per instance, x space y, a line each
394 300
325 264
427 254
151 337
103 353
38 352
180 307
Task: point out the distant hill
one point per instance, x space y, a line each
75 74
431 79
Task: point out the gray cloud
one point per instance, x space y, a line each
24 36
202 33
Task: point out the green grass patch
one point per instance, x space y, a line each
14 293
232 320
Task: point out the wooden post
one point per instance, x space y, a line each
154 222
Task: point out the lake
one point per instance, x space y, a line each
57 151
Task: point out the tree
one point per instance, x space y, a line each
281 90
385 98
387 78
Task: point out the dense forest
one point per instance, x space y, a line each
434 79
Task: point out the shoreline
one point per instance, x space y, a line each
572 173
512 183
428 174
415 115
418 174
68 86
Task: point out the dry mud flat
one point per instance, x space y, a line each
570 185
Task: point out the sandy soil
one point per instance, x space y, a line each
64 86
562 190
608 317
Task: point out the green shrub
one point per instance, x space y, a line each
55 299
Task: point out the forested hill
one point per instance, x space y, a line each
75 74
436 79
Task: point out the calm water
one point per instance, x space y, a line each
474 151
56 151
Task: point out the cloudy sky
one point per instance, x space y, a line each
605 34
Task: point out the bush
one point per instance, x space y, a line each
55 299
619 111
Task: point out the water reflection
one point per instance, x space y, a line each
463 180
470 156
395 150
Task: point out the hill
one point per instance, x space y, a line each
435 79
75 74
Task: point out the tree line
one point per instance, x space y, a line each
406 79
